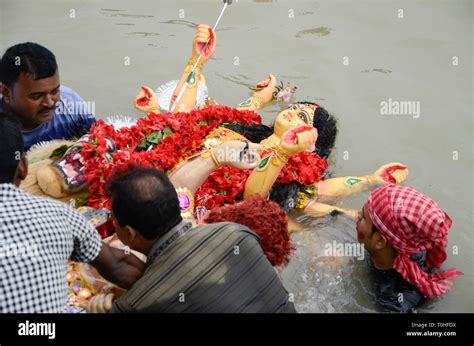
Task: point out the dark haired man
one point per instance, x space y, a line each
39 235
406 234
215 268
31 90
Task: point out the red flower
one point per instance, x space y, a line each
188 131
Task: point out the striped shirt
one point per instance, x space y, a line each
214 268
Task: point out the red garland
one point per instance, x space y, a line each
189 131
225 185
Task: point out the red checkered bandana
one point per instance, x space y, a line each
412 223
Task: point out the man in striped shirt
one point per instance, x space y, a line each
215 268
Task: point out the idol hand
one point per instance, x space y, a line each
298 139
203 33
391 173
146 100
264 90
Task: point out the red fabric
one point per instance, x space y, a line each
412 222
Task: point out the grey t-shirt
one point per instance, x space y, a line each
214 268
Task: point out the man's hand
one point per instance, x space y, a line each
238 154
146 100
298 139
391 173
203 33
102 303
264 90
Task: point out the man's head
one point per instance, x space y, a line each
408 222
144 204
13 162
30 83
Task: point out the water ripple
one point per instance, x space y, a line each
321 31
181 22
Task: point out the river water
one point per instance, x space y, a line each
348 56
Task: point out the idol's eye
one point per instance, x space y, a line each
303 117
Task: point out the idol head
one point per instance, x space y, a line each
309 113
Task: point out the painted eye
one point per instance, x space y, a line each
302 116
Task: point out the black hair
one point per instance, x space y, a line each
11 147
374 229
145 199
325 123
29 58
327 131
254 133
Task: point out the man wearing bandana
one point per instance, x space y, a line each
406 234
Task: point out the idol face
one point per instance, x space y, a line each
297 114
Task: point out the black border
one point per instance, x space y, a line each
220 329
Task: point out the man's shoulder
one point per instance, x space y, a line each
28 203
226 226
46 202
72 104
69 94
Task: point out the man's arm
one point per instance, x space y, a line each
117 267
113 264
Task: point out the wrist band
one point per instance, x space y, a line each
214 158
191 63
279 154
189 68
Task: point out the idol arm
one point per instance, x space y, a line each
318 209
393 172
343 186
188 99
192 173
260 98
262 178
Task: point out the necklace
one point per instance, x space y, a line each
175 236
